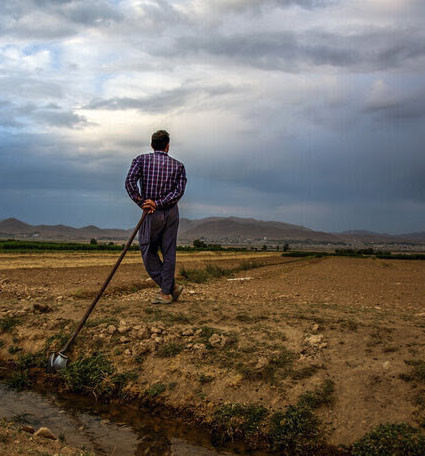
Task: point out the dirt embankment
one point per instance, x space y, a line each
333 344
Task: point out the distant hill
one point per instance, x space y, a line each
212 229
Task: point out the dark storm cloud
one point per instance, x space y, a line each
19 116
162 102
370 50
407 108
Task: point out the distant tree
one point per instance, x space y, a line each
264 247
286 247
198 244
93 241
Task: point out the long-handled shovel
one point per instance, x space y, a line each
58 361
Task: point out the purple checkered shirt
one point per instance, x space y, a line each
161 178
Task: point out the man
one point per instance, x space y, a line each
162 181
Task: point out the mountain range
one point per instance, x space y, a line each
213 229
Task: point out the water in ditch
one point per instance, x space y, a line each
106 429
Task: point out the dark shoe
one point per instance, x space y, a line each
177 292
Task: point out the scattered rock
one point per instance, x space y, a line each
188 332
235 381
59 298
123 323
28 429
41 307
217 340
315 328
198 332
158 340
156 330
192 292
124 340
240 279
46 433
143 333
199 347
111 329
315 341
127 352
147 346
386 365
123 329
262 363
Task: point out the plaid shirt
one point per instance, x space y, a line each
161 178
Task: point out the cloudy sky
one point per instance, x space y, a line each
305 111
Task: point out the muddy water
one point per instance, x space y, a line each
106 429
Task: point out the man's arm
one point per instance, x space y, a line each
134 174
176 193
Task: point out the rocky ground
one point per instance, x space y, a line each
333 344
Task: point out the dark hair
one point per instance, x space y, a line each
160 139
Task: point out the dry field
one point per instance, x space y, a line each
350 332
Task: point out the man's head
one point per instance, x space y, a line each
160 140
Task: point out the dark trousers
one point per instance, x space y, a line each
160 232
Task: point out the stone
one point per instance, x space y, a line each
158 340
147 346
45 433
59 298
111 329
156 330
143 333
198 332
28 429
262 363
386 365
217 340
199 347
315 341
315 328
127 352
187 332
123 329
123 323
192 292
40 307
124 340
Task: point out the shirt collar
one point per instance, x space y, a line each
160 152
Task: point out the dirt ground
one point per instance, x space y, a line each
267 337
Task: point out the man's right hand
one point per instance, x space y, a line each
149 205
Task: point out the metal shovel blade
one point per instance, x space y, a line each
57 362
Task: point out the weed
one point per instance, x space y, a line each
172 386
304 372
19 380
237 420
2 343
284 359
417 373
156 389
13 349
7 323
206 378
21 418
87 374
245 318
296 431
391 439
321 396
169 350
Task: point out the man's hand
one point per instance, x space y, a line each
149 205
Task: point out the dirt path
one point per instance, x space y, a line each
278 332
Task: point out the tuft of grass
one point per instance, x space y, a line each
237 420
417 372
156 389
7 323
206 378
169 349
19 380
87 374
391 439
296 431
13 349
304 372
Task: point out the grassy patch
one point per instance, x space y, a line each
304 372
417 372
19 380
169 349
7 323
206 378
296 431
156 389
236 420
13 349
392 440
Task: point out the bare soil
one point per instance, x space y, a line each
355 321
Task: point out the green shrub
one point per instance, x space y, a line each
156 389
7 323
169 350
391 440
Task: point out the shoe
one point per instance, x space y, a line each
161 300
177 292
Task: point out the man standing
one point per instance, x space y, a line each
162 181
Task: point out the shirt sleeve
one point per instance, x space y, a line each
174 195
134 174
